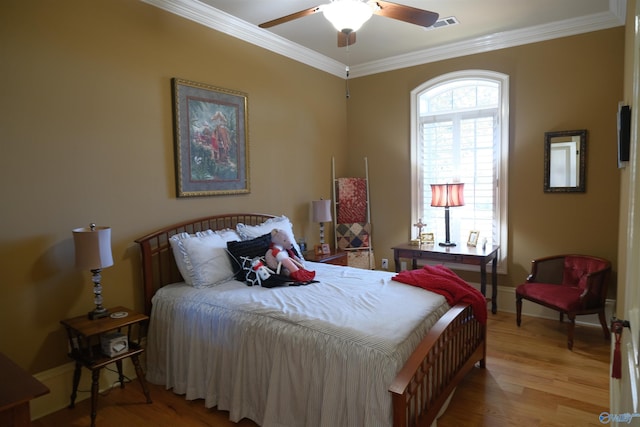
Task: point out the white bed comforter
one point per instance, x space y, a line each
317 355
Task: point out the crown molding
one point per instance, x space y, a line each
221 21
218 20
550 31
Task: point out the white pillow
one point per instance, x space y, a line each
179 254
202 258
248 232
228 234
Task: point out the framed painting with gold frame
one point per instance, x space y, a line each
211 140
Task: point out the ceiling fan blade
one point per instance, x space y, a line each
404 13
345 39
290 17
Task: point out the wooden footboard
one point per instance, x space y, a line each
450 350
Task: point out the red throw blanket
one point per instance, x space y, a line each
445 282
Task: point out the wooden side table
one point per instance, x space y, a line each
336 258
84 341
17 388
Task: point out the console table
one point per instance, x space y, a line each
17 388
460 254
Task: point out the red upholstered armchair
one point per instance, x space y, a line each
570 284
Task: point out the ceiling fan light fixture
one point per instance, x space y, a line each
347 15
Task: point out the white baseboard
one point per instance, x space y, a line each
59 379
60 383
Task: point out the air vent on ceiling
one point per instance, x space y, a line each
444 22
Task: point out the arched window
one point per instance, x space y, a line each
460 134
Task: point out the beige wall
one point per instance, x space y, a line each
86 134
564 84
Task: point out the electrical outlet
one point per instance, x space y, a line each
385 264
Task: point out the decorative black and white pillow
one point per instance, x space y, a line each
248 256
253 248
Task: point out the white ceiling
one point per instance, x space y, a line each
385 44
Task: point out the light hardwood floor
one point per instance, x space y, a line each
531 379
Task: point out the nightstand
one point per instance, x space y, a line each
86 349
336 258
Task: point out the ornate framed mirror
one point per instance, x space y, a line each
565 158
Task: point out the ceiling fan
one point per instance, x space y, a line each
347 16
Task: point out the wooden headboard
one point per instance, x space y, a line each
158 266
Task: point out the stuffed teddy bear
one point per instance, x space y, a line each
281 258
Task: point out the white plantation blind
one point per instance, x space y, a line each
459 139
470 158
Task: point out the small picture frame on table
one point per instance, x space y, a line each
427 238
323 249
473 238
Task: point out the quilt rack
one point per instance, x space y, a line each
352 218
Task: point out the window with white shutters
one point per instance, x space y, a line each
460 135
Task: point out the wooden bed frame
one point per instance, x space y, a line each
452 347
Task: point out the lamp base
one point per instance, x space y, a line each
98 314
447 244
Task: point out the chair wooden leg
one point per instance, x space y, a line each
518 311
605 327
571 328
